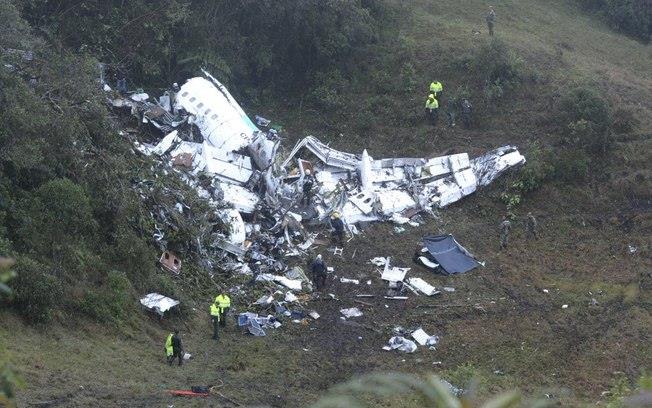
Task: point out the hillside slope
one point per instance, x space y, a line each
504 325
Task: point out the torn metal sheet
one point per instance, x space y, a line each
158 303
236 227
351 312
424 338
423 286
240 198
428 263
394 274
166 144
326 154
263 150
492 164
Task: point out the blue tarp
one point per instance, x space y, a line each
449 254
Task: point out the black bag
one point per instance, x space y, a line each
199 389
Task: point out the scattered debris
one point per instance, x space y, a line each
423 286
448 289
632 249
353 281
402 344
564 306
158 303
423 338
351 312
393 274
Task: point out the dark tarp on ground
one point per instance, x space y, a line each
449 254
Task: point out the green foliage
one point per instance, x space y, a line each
499 68
571 165
632 17
624 121
327 93
9 382
113 302
588 120
36 292
6 274
254 42
430 391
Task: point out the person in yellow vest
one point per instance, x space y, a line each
223 302
432 109
173 347
436 88
215 318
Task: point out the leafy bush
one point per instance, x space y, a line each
497 69
36 292
588 119
624 121
113 302
632 17
327 92
571 165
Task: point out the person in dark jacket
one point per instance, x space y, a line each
177 348
308 184
338 229
467 109
318 272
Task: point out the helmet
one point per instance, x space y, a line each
335 215
431 96
319 256
307 172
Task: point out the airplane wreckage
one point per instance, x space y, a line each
207 133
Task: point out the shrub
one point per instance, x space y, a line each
571 165
327 92
632 17
588 120
624 121
498 67
114 302
36 292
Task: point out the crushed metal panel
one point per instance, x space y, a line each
492 164
230 167
166 143
364 200
459 162
239 197
392 201
466 180
263 150
233 221
326 154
